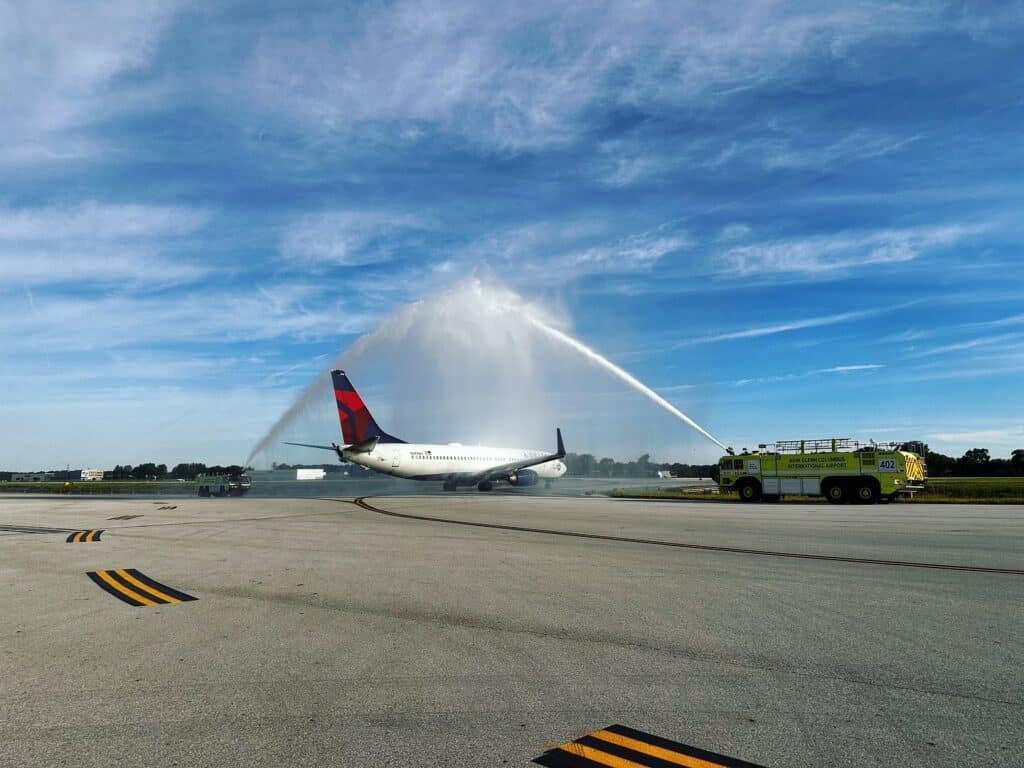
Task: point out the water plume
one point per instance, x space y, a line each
474 363
624 376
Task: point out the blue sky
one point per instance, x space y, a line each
789 219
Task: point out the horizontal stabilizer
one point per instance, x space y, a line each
364 447
331 447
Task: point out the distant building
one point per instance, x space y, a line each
31 477
92 474
664 473
310 474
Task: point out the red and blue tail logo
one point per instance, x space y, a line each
357 424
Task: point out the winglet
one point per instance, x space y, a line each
560 453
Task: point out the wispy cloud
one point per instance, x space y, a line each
305 364
112 321
841 369
347 237
849 368
787 327
559 252
461 67
99 221
961 346
789 148
830 253
1010 435
94 242
60 65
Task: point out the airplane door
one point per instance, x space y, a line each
396 457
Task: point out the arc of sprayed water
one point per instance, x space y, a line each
622 375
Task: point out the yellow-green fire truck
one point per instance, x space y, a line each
839 469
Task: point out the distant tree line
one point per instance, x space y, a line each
184 471
976 463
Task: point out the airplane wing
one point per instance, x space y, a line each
504 470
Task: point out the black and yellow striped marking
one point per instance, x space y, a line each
136 588
84 536
620 747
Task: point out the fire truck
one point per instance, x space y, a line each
222 484
840 469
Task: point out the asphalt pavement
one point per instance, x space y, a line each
434 631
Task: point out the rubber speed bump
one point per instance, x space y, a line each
84 536
620 747
135 588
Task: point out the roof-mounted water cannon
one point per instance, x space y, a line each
730 451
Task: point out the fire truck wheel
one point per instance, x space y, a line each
835 492
867 492
749 490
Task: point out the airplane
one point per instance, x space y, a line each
454 464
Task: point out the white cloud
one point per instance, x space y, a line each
519 75
850 368
1013 435
96 221
346 237
829 253
558 252
58 66
961 346
734 232
788 146
94 242
111 321
796 325
808 374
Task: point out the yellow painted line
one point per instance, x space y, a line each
124 590
599 757
89 535
649 749
136 583
77 537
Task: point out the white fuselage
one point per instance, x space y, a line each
424 461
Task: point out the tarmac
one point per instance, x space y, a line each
434 631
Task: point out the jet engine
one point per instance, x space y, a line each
523 477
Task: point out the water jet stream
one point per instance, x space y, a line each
622 375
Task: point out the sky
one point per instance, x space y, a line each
789 219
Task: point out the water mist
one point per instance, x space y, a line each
474 363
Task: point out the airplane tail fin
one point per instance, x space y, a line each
357 423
